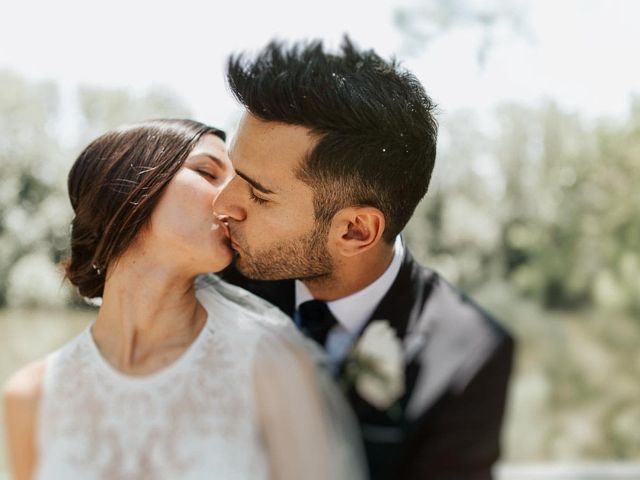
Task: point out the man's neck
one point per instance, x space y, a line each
352 274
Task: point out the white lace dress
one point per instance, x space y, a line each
195 419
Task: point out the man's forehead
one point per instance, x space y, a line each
257 134
270 147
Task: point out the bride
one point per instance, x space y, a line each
180 376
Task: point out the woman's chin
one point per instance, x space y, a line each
214 257
221 256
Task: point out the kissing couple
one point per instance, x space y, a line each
319 350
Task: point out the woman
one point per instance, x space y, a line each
180 376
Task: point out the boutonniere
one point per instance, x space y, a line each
375 366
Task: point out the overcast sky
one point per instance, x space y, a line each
582 53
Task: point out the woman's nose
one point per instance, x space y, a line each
227 203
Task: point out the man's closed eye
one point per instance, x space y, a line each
256 199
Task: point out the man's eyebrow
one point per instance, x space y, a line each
254 183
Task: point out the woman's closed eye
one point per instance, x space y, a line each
208 175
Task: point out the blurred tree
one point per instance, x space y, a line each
33 219
612 213
542 152
455 229
540 198
34 210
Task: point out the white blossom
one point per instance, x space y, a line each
381 382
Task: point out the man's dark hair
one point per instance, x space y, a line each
375 124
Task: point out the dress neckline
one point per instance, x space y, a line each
153 377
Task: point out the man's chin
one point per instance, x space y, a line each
240 264
251 272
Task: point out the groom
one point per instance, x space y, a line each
332 155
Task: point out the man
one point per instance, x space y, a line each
332 155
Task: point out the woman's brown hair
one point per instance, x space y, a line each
115 184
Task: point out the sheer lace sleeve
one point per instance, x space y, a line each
307 426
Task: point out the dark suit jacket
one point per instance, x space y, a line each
458 368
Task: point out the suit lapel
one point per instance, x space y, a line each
404 301
402 306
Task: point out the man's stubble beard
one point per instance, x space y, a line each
303 258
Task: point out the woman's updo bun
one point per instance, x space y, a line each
114 186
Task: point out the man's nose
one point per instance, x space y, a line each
228 202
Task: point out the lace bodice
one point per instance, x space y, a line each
194 419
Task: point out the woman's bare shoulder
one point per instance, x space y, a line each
22 394
22 391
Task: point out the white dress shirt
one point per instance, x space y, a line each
353 311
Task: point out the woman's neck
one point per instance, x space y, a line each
149 316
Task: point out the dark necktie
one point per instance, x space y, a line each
316 320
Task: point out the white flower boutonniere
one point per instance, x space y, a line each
376 366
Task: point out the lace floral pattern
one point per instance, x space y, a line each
193 420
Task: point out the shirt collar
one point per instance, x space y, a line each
353 311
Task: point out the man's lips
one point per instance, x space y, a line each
225 226
234 245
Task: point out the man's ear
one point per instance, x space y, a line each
356 229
